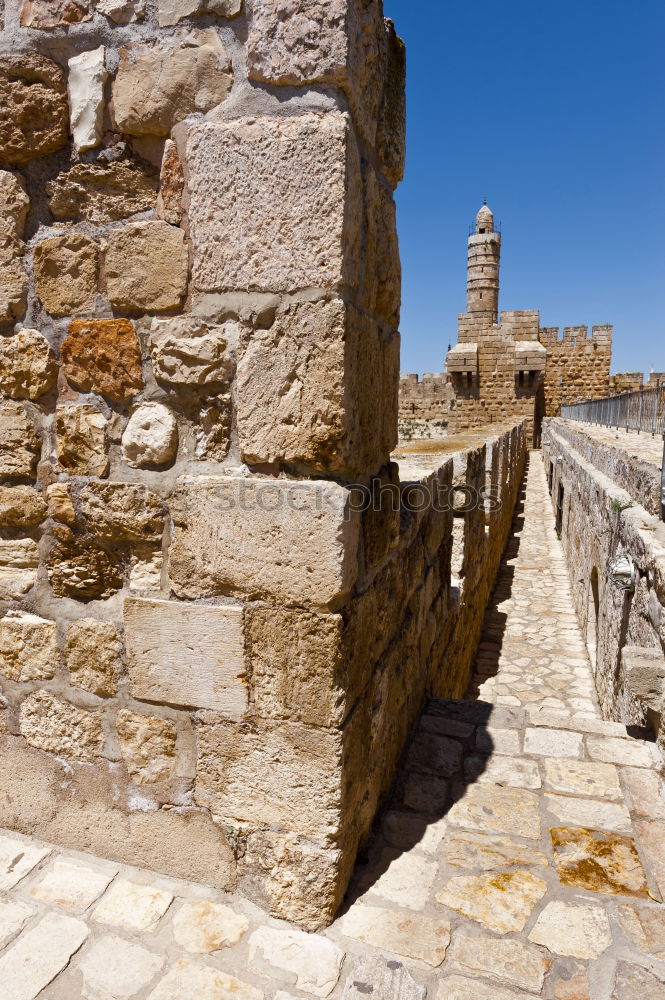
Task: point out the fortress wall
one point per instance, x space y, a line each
578 366
199 360
599 491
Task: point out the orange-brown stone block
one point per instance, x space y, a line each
103 356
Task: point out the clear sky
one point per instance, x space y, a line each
554 112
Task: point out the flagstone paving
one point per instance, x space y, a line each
522 855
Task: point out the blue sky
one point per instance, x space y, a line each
554 112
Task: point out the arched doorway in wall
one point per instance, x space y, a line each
593 611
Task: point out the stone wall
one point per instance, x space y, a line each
578 366
598 493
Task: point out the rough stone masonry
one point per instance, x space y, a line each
211 654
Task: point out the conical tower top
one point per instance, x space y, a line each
485 220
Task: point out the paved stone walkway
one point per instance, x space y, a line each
532 652
523 856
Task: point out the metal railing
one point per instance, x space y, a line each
635 411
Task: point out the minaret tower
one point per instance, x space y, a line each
482 293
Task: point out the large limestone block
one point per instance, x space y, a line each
21 507
28 647
172 11
147 746
33 107
20 445
27 365
312 964
102 192
103 356
120 512
146 267
85 84
52 724
93 651
318 387
156 87
66 270
13 283
284 776
391 133
14 205
19 561
342 42
185 654
294 541
81 439
297 665
188 351
285 192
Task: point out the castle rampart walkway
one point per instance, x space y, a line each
523 854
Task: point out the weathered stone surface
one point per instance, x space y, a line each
28 647
45 15
211 676
72 885
51 724
652 844
502 902
645 928
40 954
283 775
304 41
13 283
267 871
205 927
432 754
646 792
408 934
507 961
83 571
145 571
391 132
297 403
27 365
60 506
132 906
33 107
82 439
479 850
13 918
19 561
115 969
629 752
146 267
187 351
514 772
503 810
407 880
583 778
171 185
634 981
172 11
599 862
257 166
382 978
102 192
575 930
150 437
66 273
309 963
590 813
461 988
17 858
122 512
213 431
297 665
186 979
156 87
14 205
93 650
103 356
147 746
263 537
85 85
570 982
122 11
21 507
552 742
20 445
